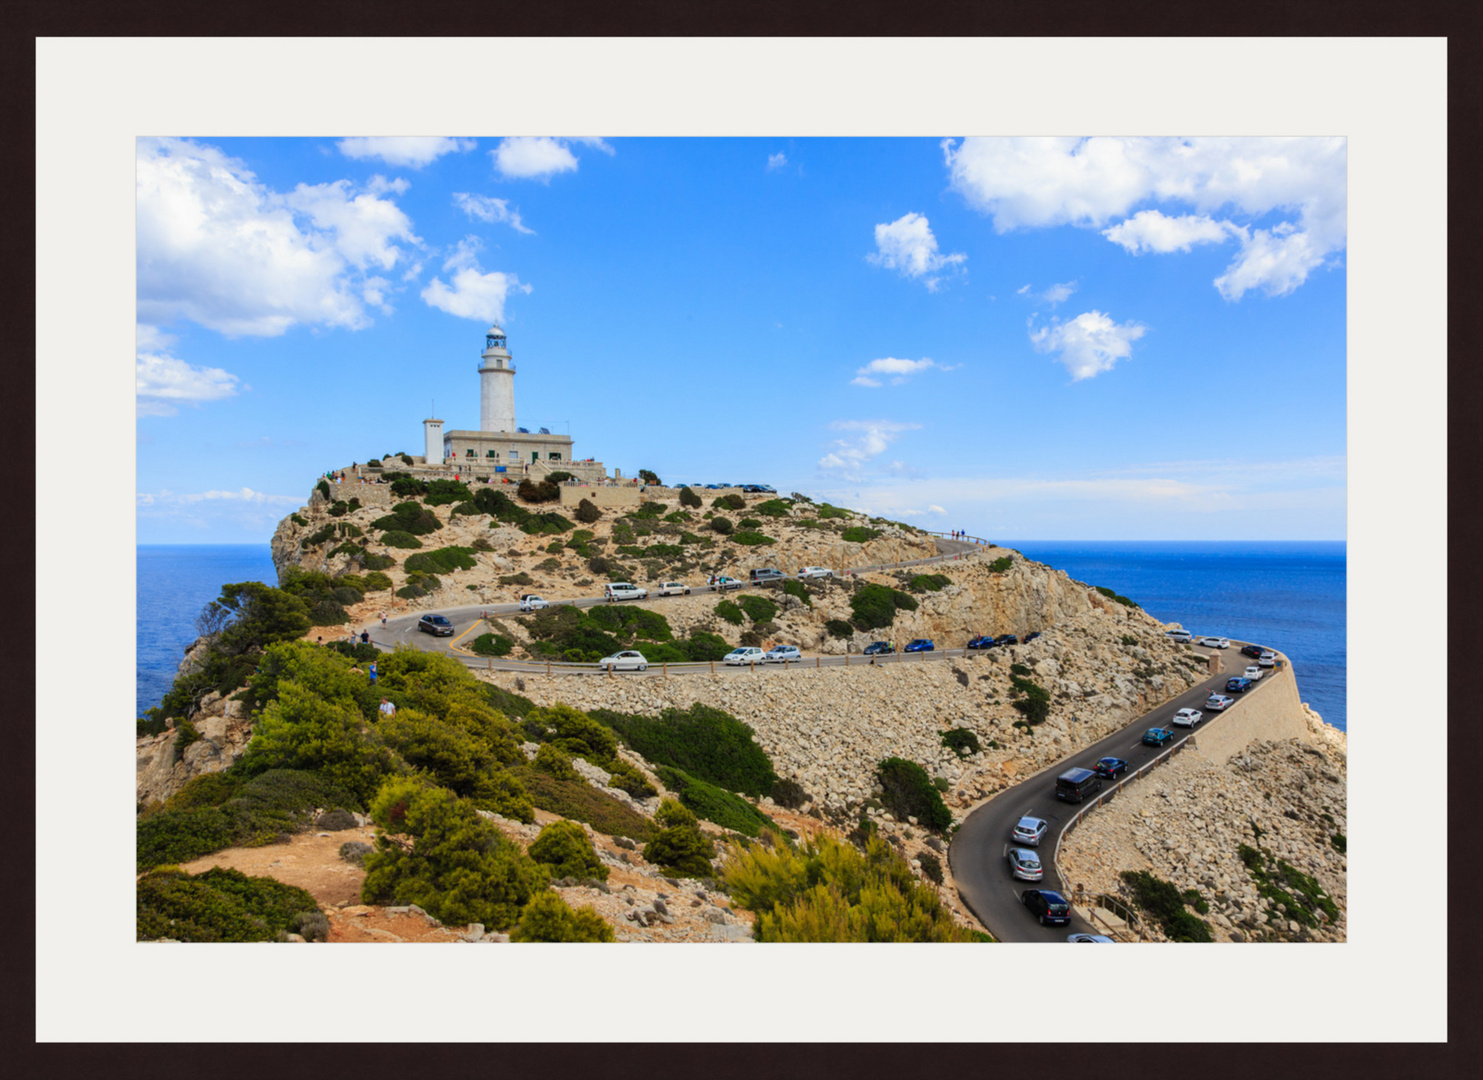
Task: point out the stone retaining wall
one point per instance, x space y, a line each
1272 712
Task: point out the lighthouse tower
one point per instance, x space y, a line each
496 384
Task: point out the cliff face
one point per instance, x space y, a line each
225 731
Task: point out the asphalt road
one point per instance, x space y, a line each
978 848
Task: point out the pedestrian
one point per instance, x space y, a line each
373 673
383 620
365 637
387 708
319 640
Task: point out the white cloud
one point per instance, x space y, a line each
871 440
1149 230
379 185
1054 295
1036 183
410 151
215 246
471 294
776 161
899 370
596 143
489 209
161 382
1088 344
530 157
907 245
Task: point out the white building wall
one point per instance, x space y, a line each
496 398
432 431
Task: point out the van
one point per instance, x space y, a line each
767 573
622 590
1074 785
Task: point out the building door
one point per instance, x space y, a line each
535 455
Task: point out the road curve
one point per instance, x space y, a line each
977 852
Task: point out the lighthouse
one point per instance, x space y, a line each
496 383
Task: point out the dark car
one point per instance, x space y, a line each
1238 685
1253 651
920 644
1047 905
437 625
877 647
767 573
1110 767
981 641
751 489
1157 736
1006 639
1031 636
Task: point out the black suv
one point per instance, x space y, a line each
1006 639
1253 651
437 625
1049 906
875 648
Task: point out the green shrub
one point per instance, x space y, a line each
1018 669
380 562
627 623
750 539
563 846
298 520
218 905
1282 883
648 476
728 610
722 525
827 512
408 517
1340 842
339 508
1123 600
548 918
627 778
961 741
560 476
556 761
839 628
587 512
705 742
908 792
714 804
690 499
398 539
1035 704
441 560
874 606
998 566
375 581
1165 905
929 583
729 502
758 608
323 487
459 867
580 801
522 578
493 645
356 651
859 534
442 492
542 492
931 867
798 589
788 794
679 845
773 508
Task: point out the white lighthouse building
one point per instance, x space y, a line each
496 383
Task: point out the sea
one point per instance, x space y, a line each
1289 596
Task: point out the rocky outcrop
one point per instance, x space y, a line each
224 729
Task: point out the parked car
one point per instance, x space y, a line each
1186 718
748 654
779 654
1183 636
751 489
876 648
920 644
1031 636
1216 642
1253 651
437 625
672 588
1006 639
1029 830
981 641
1110 767
627 660
815 572
767 489
1024 864
1047 905
722 582
1238 685
1268 659
622 590
1098 939
532 602
1157 736
1219 702
767 573
1252 672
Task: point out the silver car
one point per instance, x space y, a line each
1029 830
1268 659
1215 642
1024 864
1219 702
779 654
627 660
1252 672
1186 718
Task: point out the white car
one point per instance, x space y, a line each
1268 659
815 571
1219 702
1252 672
779 654
622 590
1183 636
1029 830
1186 718
532 602
1215 642
748 654
672 588
627 660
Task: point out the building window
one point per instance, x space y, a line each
470 453
514 455
555 457
492 453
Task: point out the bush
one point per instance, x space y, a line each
493 645
772 508
713 803
548 918
556 761
758 608
728 610
587 512
1018 669
690 499
379 562
789 794
1035 704
580 801
679 845
750 539
961 741
707 743
859 534
405 486
560 476
1165 905
1340 842
874 606
442 492
376 581
323 487
459 869
409 517
399 539
542 492
931 867
722 525
218 905
729 502
998 566
625 777
1123 600
564 847
441 560
839 628
929 582
798 589
299 520
909 793
356 651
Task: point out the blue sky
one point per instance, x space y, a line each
1051 339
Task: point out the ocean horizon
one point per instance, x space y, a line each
1289 595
